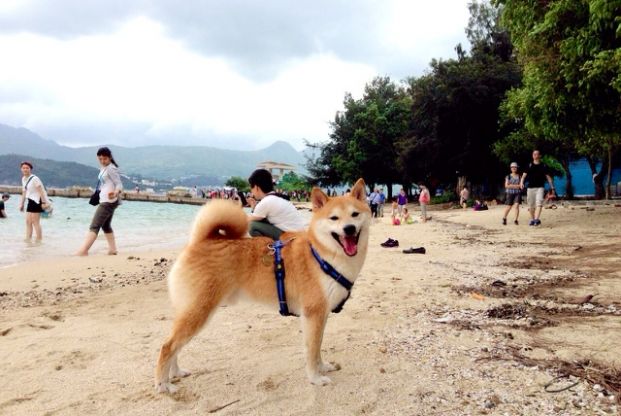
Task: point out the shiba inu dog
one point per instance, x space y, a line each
220 263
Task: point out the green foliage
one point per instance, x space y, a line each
448 196
239 183
291 181
570 51
363 137
455 108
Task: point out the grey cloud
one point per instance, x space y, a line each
256 37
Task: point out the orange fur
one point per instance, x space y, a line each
218 263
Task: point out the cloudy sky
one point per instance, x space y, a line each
237 74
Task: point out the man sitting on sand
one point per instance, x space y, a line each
271 214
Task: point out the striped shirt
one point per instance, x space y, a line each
513 180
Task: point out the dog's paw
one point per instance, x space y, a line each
180 372
320 380
166 388
328 367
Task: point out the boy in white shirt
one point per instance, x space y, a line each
271 214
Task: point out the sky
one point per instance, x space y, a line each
231 74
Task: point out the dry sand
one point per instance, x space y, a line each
478 325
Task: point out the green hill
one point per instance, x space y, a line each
160 162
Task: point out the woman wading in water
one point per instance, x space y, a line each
109 186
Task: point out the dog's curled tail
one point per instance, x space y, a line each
219 219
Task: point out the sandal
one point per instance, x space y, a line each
411 250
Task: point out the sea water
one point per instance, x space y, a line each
137 225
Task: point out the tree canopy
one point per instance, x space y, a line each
543 74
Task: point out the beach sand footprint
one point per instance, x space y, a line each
76 359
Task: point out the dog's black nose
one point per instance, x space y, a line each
349 229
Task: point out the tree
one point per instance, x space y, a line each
455 108
239 183
570 51
290 181
363 137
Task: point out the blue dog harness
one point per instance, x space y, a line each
279 272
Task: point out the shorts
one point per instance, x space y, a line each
511 199
103 217
34 206
534 197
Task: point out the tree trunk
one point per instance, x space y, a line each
389 197
609 171
569 186
461 182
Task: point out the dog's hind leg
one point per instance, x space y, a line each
186 325
175 371
313 325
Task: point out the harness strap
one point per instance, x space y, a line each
279 272
333 273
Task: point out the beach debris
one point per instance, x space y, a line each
383 349
585 299
215 409
96 279
507 311
4 293
477 296
5 331
498 283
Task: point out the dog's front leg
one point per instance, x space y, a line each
313 325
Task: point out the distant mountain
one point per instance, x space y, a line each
160 162
54 174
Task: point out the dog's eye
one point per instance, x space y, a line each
334 218
355 214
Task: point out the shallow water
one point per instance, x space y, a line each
137 226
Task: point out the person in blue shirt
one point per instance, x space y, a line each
382 201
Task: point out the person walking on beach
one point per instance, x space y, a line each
513 193
373 200
34 200
537 173
382 202
271 215
5 197
423 200
463 197
402 200
110 187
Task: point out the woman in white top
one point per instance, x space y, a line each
110 187
35 199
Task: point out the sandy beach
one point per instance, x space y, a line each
485 322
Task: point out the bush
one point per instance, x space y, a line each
448 196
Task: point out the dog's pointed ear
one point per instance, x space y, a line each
318 198
359 190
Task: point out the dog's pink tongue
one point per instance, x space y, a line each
350 245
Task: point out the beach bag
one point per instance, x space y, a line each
94 199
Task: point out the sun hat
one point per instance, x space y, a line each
514 165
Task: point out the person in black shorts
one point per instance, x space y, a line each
513 194
537 174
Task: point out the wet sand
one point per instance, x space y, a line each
477 325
